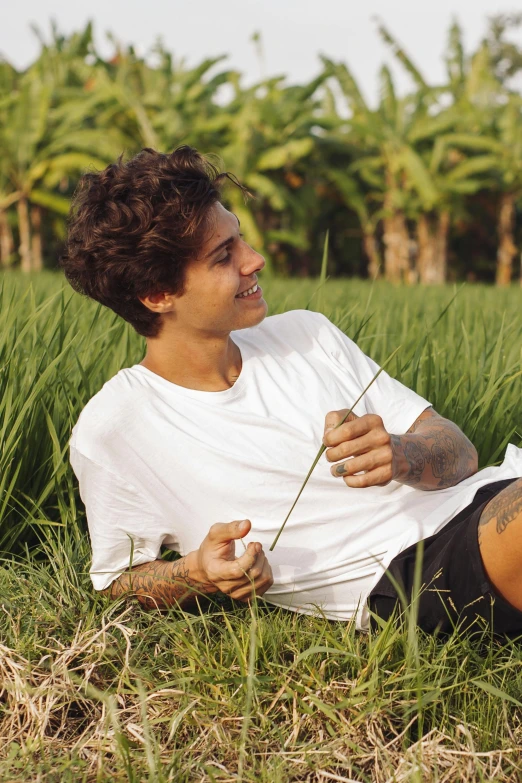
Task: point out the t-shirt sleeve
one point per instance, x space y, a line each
123 528
398 406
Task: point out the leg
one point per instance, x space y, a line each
500 542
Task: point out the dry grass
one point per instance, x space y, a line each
94 709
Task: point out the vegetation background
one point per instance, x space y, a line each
422 187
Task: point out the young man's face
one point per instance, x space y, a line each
226 267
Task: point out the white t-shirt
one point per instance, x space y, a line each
158 464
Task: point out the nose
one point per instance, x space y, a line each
252 261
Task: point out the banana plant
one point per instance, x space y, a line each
488 136
37 155
270 142
437 177
388 164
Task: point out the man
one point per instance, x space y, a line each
206 442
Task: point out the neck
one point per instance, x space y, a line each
200 361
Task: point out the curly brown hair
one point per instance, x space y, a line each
134 227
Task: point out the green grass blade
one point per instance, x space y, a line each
323 447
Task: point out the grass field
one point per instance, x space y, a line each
99 691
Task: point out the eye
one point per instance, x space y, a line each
226 258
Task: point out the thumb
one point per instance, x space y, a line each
223 532
239 529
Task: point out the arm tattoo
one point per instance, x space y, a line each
504 507
416 455
160 584
434 453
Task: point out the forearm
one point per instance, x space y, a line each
434 454
163 583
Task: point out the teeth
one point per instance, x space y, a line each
250 291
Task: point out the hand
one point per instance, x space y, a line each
366 442
240 577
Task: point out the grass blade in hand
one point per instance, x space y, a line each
323 447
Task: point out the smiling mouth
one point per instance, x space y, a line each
248 292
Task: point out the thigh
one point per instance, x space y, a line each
500 542
455 589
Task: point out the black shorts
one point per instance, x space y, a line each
455 590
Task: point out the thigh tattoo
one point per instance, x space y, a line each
504 507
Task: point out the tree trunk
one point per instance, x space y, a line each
25 235
412 276
441 257
506 248
426 256
396 244
36 238
6 240
433 248
372 253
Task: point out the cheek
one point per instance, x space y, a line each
225 286
219 294
216 292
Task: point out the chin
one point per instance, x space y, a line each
256 318
251 317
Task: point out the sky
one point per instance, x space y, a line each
293 32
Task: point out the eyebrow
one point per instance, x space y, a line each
224 243
220 246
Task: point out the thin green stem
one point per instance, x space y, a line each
323 447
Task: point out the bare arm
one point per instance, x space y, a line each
433 454
163 583
210 569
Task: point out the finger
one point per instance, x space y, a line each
244 594
374 478
372 459
350 448
239 588
256 571
221 532
233 589
260 578
362 448
354 428
250 557
334 418
258 588
223 570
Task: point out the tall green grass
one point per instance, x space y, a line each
94 691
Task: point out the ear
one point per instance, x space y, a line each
159 303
